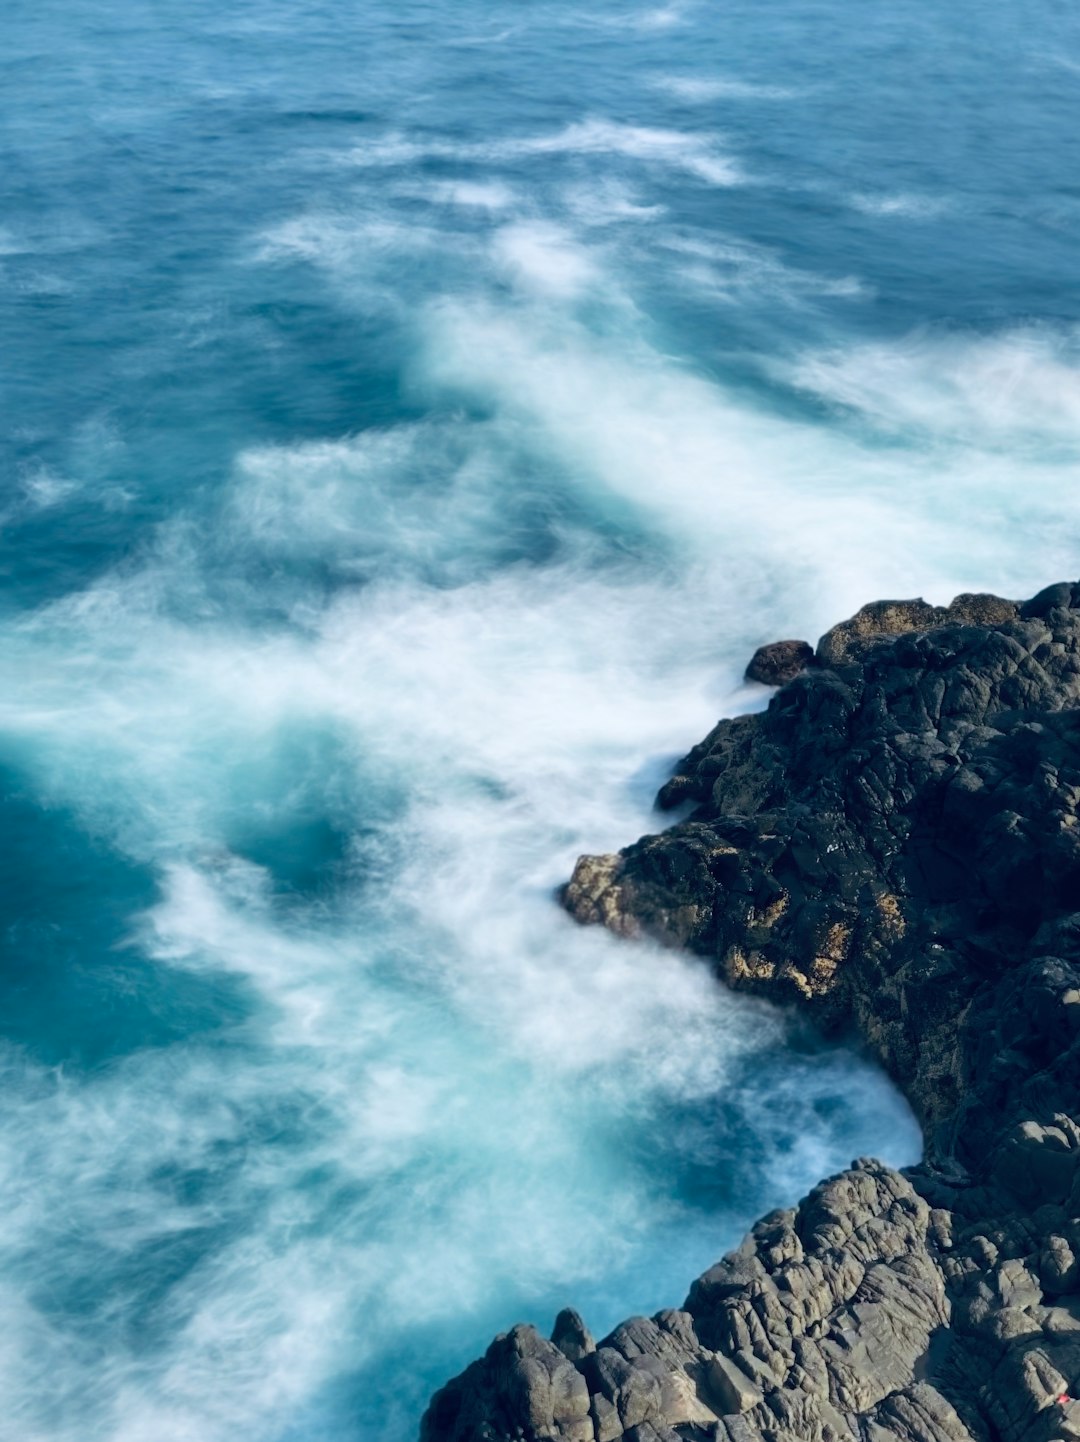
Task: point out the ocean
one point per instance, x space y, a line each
414 415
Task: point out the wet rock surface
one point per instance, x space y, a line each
893 844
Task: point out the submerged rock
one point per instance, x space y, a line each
894 843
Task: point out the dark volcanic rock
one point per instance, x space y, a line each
894 843
851 640
780 661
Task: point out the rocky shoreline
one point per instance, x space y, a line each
894 844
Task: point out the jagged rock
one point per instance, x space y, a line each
521 1382
894 843
1059 1267
779 661
853 638
730 1387
571 1336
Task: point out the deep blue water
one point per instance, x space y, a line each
413 416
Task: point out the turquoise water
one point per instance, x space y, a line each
414 415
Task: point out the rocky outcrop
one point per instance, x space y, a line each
895 845
852 639
779 661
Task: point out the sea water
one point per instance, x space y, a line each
414 415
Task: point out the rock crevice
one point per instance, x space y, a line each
893 844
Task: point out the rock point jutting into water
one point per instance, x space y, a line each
894 844
779 661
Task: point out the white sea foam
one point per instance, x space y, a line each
496 37
43 487
362 252
341 241
608 202
691 153
701 468
903 204
663 17
1018 388
544 258
633 21
733 270
699 89
474 194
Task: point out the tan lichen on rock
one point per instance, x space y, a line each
741 966
813 982
799 980
880 620
822 974
891 914
771 914
594 895
837 941
679 925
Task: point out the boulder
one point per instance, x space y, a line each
780 661
571 1336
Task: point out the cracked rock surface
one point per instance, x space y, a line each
894 844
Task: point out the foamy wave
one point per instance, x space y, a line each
473 194
652 20
699 89
694 155
729 271
663 17
608 202
339 240
44 488
545 258
908 206
1022 387
497 37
